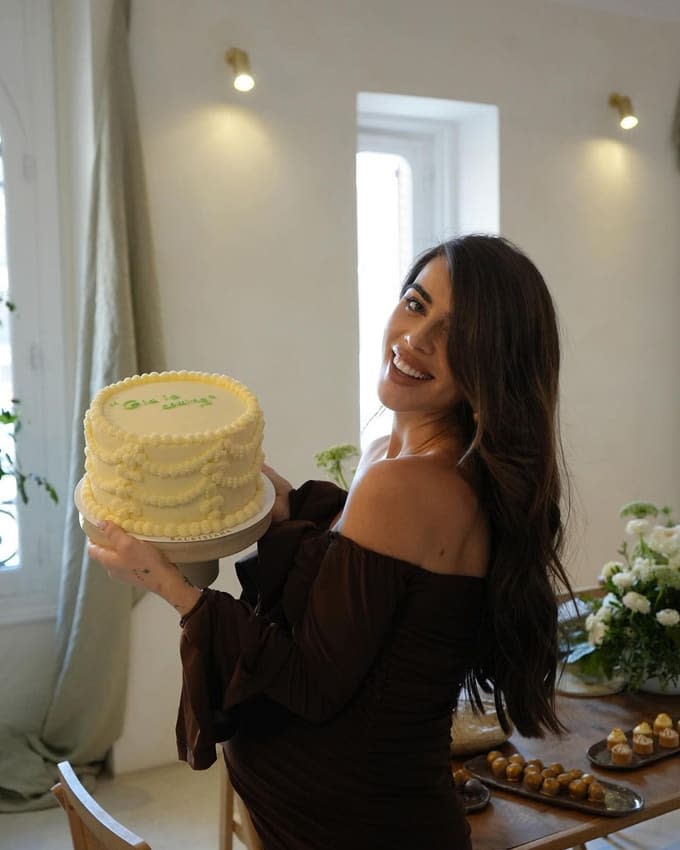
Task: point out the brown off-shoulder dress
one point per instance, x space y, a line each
331 682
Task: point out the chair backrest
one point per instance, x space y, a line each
91 827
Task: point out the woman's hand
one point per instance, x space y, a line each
281 509
132 561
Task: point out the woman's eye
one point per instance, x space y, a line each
413 305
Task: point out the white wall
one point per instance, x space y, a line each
252 202
252 207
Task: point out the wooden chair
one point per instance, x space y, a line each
234 817
91 827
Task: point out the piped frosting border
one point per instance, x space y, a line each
172 531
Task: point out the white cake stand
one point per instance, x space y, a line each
198 556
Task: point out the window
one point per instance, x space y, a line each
9 536
31 337
426 170
385 251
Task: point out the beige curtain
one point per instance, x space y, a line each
676 131
119 297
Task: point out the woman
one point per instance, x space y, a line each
369 613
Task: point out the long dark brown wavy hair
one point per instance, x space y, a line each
504 353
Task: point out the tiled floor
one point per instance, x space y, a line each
175 808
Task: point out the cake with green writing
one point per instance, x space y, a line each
173 454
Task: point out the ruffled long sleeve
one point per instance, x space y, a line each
231 654
263 575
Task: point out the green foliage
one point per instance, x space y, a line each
7 304
331 460
11 420
8 466
639 510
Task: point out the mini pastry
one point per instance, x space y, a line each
643 729
575 773
557 766
517 758
535 763
616 736
643 745
588 778
564 779
498 766
461 776
621 754
595 792
492 756
577 789
514 771
661 722
550 786
533 780
550 773
668 738
532 768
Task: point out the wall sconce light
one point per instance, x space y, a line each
627 118
238 59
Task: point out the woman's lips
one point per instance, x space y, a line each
400 377
408 369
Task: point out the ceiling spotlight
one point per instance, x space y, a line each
627 117
238 59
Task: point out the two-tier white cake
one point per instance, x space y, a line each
173 454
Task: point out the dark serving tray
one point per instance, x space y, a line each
618 799
600 756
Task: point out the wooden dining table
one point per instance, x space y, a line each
512 821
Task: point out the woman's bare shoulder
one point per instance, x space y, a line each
375 450
414 509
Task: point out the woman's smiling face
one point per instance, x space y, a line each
416 376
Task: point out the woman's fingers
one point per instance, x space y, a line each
282 488
120 540
271 474
129 548
279 482
128 559
107 557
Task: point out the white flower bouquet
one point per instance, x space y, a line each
634 631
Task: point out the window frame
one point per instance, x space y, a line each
28 128
429 145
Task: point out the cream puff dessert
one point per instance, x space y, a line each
616 736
